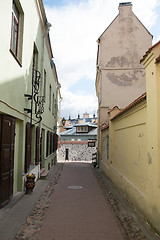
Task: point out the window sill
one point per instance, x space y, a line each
20 64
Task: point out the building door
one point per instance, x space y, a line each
37 159
67 154
28 146
40 156
7 136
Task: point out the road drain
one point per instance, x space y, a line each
75 187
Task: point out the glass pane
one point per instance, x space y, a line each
15 11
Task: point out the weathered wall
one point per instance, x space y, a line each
152 65
78 151
121 77
133 163
127 165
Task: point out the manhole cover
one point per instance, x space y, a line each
75 187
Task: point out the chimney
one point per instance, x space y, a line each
125 8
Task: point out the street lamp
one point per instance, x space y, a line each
63 123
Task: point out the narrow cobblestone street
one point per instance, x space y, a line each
83 205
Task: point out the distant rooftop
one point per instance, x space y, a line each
72 132
85 124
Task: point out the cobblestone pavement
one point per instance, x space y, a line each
31 228
133 226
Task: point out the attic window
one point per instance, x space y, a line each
82 129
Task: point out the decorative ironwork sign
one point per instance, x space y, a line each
35 97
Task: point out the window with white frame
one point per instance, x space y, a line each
17 30
82 129
44 83
50 96
53 105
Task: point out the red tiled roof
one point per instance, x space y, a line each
104 126
148 51
113 109
138 100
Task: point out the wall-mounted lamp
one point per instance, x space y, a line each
63 123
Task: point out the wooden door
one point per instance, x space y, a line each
40 156
37 146
28 146
7 136
67 154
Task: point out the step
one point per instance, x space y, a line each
44 173
42 170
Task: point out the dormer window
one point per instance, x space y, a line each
82 129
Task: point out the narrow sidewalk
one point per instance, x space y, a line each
78 209
14 216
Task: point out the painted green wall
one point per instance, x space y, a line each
16 80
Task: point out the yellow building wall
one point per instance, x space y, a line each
134 161
127 165
153 136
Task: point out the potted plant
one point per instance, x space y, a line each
30 183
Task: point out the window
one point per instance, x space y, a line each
91 143
107 146
35 58
53 105
55 142
17 31
44 86
50 92
82 129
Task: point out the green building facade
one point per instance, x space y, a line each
29 95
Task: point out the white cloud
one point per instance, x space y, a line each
75 29
78 103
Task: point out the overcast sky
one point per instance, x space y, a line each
76 25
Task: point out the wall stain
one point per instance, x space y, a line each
149 159
118 61
124 79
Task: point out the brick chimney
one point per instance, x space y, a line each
125 8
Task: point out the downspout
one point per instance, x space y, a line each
42 81
47 28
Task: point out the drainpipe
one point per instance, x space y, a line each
47 28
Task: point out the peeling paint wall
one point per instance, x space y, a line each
121 47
